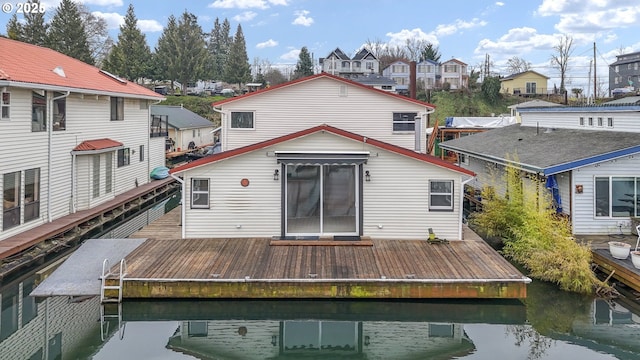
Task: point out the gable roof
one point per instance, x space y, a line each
382 145
363 53
339 54
517 75
454 60
321 76
29 66
97 145
546 151
181 118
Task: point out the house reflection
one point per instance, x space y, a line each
326 339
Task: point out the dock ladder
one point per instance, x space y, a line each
106 274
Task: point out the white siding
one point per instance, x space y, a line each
305 105
626 121
202 137
87 118
396 197
584 220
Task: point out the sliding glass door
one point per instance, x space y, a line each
322 199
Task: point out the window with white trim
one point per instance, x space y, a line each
441 195
11 200
31 194
123 157
610 122
242 120
616 196
59 112
199 193
5 104
404 121
108 175
117 108
96 175
581 121
38 112
600 121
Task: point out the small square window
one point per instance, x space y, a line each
581 121
600 121
241 120
610 122
441 195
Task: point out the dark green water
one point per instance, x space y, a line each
550 324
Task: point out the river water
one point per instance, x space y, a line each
549 324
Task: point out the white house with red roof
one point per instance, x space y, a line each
322 157
72 136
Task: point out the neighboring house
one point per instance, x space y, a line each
515 109
322 156
377 82
72 136
593 153
185 127
625 72
427 74
525 83
339 63
454 72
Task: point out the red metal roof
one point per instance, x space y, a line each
97 144
319 76
380 144
25 63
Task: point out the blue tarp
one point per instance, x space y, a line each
159 173
552 185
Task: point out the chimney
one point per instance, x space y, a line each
412 80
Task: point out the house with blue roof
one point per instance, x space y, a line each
590 155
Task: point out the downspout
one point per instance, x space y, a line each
462 184
49 144
223 132
182 206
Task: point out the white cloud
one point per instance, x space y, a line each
115 20
149 25
517 41
245 16
457 26
499 3
267 44
591 16
400 38
239 4
291 55
103 2
302 18
278 2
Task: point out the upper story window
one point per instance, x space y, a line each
369 65
159 127
440 195
38 112
398 69
345 64
123 157
451 68
200 193
59 112
617 68
242 120
356 64
5 104
404 121
117 108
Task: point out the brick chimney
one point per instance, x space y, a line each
412 80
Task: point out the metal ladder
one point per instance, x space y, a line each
106 273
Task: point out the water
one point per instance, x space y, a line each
550 324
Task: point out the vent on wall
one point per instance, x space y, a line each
343 90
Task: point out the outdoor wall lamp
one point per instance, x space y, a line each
367 176
367 340
274 338
276 175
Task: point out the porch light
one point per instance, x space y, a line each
274 340
276 175
367 176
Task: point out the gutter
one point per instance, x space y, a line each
24 85
49 145
182 206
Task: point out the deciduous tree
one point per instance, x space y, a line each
517 65
560 59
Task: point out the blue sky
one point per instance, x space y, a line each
468 30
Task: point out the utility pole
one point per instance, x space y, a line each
594 73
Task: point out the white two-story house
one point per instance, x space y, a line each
427 74
338 63
454 72
318 157
588 157
71 136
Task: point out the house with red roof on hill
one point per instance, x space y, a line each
322 157
71 136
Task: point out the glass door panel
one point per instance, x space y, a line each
339 199
303 199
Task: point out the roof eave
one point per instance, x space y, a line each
28 85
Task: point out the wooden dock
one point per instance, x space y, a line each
34 245
165 266
622 271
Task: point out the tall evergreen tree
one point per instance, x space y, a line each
131 56
430 52
165 58
67 33
14 28
237 67
34 30
218 47
304 67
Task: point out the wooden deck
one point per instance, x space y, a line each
71 227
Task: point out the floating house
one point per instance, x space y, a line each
322 157
73 136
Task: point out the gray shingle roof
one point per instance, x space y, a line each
547 151
181 118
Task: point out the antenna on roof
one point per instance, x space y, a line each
114 77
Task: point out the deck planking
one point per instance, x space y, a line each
251 267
